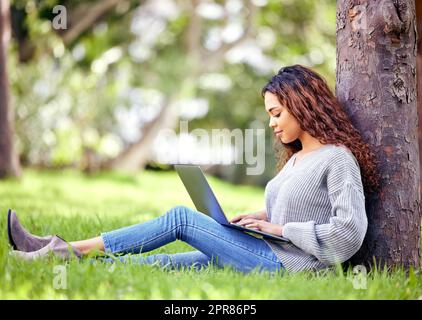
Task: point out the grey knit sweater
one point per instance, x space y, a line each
320 203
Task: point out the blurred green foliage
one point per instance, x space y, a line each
72 97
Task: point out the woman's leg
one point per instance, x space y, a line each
194 259
86 246
223 245
186 259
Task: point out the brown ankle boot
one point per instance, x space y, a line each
20 239
57 246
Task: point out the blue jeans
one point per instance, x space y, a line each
215 243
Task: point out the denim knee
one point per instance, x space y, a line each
181 214
180 208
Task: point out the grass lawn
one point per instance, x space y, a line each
77 207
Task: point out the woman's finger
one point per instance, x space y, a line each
237 218
245 221
252 225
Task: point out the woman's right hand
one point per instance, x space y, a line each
239 217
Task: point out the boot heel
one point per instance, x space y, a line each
9 230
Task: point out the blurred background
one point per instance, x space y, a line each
97 94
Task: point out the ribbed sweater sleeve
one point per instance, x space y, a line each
341 238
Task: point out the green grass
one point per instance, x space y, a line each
77 207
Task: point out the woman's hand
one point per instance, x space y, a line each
259 216
262 225
239 217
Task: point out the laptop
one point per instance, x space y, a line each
205 201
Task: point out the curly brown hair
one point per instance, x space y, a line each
309 99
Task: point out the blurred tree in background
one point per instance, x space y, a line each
9 162
97 94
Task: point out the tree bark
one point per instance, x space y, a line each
376 83
9 164
419 75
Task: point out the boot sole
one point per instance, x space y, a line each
9 230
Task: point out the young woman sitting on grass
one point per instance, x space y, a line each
317 199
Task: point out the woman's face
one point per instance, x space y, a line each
282 122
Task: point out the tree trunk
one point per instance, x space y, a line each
85 18
136 156
419 75
376 83
9 165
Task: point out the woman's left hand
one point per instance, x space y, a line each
262 225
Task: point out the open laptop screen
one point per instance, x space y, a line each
200 191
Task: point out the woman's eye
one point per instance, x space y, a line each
277 115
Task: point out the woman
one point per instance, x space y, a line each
317 200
